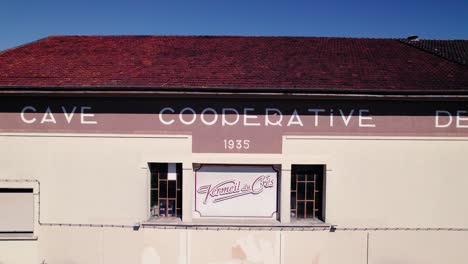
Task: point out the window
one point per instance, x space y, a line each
307 192
166 189
16 210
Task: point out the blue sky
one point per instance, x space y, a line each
25 21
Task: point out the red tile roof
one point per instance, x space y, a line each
309 64
455 50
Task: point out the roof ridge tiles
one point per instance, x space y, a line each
218 36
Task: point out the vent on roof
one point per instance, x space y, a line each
413 38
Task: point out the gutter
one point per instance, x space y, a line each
232 92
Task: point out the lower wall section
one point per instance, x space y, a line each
82 245
325 247
418 247
18 252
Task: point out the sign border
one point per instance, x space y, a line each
276 168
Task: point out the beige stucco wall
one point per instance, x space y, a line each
371 182
418 247
390 182
85 245
89 180
18 252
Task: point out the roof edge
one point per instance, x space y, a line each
233 91
447 58
23 45
220 36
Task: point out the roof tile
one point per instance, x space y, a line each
299 63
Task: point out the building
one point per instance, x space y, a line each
159 149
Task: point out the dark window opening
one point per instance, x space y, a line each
16 190
307 192
166 189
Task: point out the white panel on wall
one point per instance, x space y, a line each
236 191
17 211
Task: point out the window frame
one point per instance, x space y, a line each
318 180
178 192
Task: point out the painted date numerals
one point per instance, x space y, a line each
231 144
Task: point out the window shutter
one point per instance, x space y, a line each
17 210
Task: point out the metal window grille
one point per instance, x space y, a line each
307 191
166 193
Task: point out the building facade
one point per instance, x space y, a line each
146 149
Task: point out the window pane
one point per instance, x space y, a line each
179 199
300 177
163 175
154 198
162 207
310 191
172 189
293 213
179 180
154 203
154 180
309 209
300 210
301 191
293 182
171 208
163 189
293 200
310 176
163 170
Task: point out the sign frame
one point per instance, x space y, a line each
273 216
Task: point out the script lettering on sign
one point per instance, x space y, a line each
236 191
231 188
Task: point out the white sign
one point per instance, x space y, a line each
236 191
